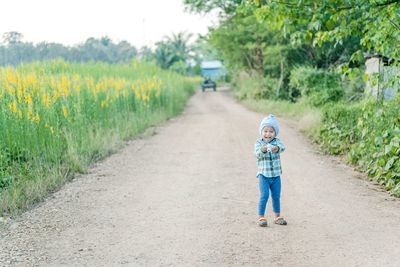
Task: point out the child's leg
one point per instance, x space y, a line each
264 194
276 195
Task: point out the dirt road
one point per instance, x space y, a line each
187 196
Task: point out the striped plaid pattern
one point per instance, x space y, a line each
269 164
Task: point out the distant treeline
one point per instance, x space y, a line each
14 51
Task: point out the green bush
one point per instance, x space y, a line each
318 86
354 84
289 56
279 60
251 86
369 134
338 121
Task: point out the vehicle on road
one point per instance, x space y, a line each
208 83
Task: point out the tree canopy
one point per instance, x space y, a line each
15 51
374 22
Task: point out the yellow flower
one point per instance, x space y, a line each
13 107
145 98
11 91
65 84
19 114
78 89
28 99
46 100
65 111
36 119
10 76
19 94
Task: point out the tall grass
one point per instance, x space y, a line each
307 118
57 118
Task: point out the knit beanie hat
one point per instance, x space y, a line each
270 120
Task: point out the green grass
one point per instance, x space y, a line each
94 108
307 118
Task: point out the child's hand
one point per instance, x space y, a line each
274 149
264 148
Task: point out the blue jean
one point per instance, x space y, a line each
267 184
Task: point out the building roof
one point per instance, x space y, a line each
212 64
387 61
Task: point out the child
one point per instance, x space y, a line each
267 150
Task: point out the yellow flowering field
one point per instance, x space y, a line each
57 117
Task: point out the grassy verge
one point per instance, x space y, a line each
58 118
307 119
366 133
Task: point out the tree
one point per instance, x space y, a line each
203 49
227 7
124 52
180 45
173 49
145 53
165 55
104 49
375 23
241 40
12 38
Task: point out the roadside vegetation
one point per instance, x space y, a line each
62 108
305 60
57 118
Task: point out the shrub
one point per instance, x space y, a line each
338 122
279 60
368 133
317 85
251 86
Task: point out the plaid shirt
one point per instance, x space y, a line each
269 164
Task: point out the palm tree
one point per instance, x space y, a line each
173 49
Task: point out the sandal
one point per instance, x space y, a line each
262 222
280 221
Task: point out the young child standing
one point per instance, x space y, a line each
267 151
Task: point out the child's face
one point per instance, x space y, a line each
268 133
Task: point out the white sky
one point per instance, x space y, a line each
140 22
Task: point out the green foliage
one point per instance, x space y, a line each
354 84
14 51
241 41
180 67
247 44
338 121
104 104
268 39
204 6
317 85
289 56
204 50
172 50
5 181
374 23
369 134
252 86
5 159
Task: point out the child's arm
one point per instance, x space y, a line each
280 145
258 151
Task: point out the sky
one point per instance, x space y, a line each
71 22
